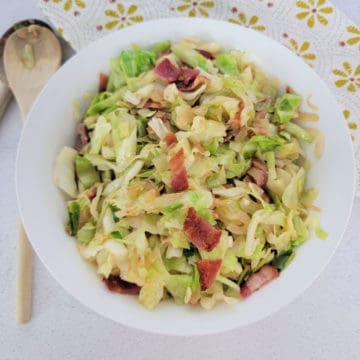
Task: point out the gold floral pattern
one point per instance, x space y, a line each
351 124
302 50
68 4
314 11
355 35
194 7
348 77
122 17
252 22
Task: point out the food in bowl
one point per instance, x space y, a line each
188 176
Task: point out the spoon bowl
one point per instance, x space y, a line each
27 81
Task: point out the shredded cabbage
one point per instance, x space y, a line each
236 143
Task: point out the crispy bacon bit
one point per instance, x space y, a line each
91 193
206 54
167 71
260 164
261 123
259 176
170 139
289 90
259 172
188 74
187 79
247 178
202 234
103 80
179 181
208 270
116 284
82 136
234 123
259 279
193 85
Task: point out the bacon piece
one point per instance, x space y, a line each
259 176
194 84
206 54
170 139
186 80
247 178
103 80
188 74
259 172
116 284
167 71
82 136
208 270
91 193
259 279
260 164
202 234
179 181
235 124
261 123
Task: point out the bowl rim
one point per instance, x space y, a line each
92 46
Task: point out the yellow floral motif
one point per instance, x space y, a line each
196 6
355 33
313 10
122 17
348 77
351 125
252 22
69 4
302 50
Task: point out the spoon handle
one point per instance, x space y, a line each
24 278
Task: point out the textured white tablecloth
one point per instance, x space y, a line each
324 323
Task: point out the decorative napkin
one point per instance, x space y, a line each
314 29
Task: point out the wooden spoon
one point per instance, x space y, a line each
31 56
5 93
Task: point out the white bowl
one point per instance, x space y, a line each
50 126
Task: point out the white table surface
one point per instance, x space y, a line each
323 323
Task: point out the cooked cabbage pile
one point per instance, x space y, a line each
188 177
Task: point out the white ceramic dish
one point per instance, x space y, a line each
50 126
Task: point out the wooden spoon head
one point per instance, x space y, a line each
31 57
